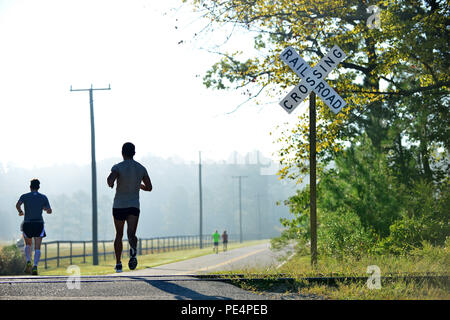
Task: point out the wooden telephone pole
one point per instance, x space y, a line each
94 174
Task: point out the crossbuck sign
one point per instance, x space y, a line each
312 79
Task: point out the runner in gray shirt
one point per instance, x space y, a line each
129 175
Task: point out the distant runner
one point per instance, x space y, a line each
225 240
129 175
33 224
216 237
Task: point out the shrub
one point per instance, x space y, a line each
12 261
341 233
425 220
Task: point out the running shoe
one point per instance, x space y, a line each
118 267
28 268
34 271
132 264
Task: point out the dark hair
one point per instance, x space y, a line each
128 149
34 184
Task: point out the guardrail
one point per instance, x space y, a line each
60 250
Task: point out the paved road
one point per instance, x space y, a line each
173 281
247 258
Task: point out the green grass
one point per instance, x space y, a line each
429 260
145 261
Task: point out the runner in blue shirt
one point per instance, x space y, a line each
33 224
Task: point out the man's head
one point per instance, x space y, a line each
34 184
128 150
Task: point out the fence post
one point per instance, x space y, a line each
70 252
140 247
104 251
84 251
45 246
57 254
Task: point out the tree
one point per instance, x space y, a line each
408 53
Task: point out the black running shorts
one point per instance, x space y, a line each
33 229
122 213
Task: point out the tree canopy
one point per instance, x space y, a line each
404 60
389 144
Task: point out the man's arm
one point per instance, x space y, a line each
147 186
18 207
111 178
46 206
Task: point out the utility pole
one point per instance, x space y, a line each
200 192
94 174
240 206
258 196
312 177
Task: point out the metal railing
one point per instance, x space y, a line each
61 250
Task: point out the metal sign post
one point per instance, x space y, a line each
312 83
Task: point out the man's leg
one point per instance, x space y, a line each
37 250
118 240
28 244
132 222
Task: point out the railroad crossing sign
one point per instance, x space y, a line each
312 84
312 79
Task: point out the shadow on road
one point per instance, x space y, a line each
179 292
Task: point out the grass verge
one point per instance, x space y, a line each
289 278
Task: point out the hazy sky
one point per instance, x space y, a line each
156 100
